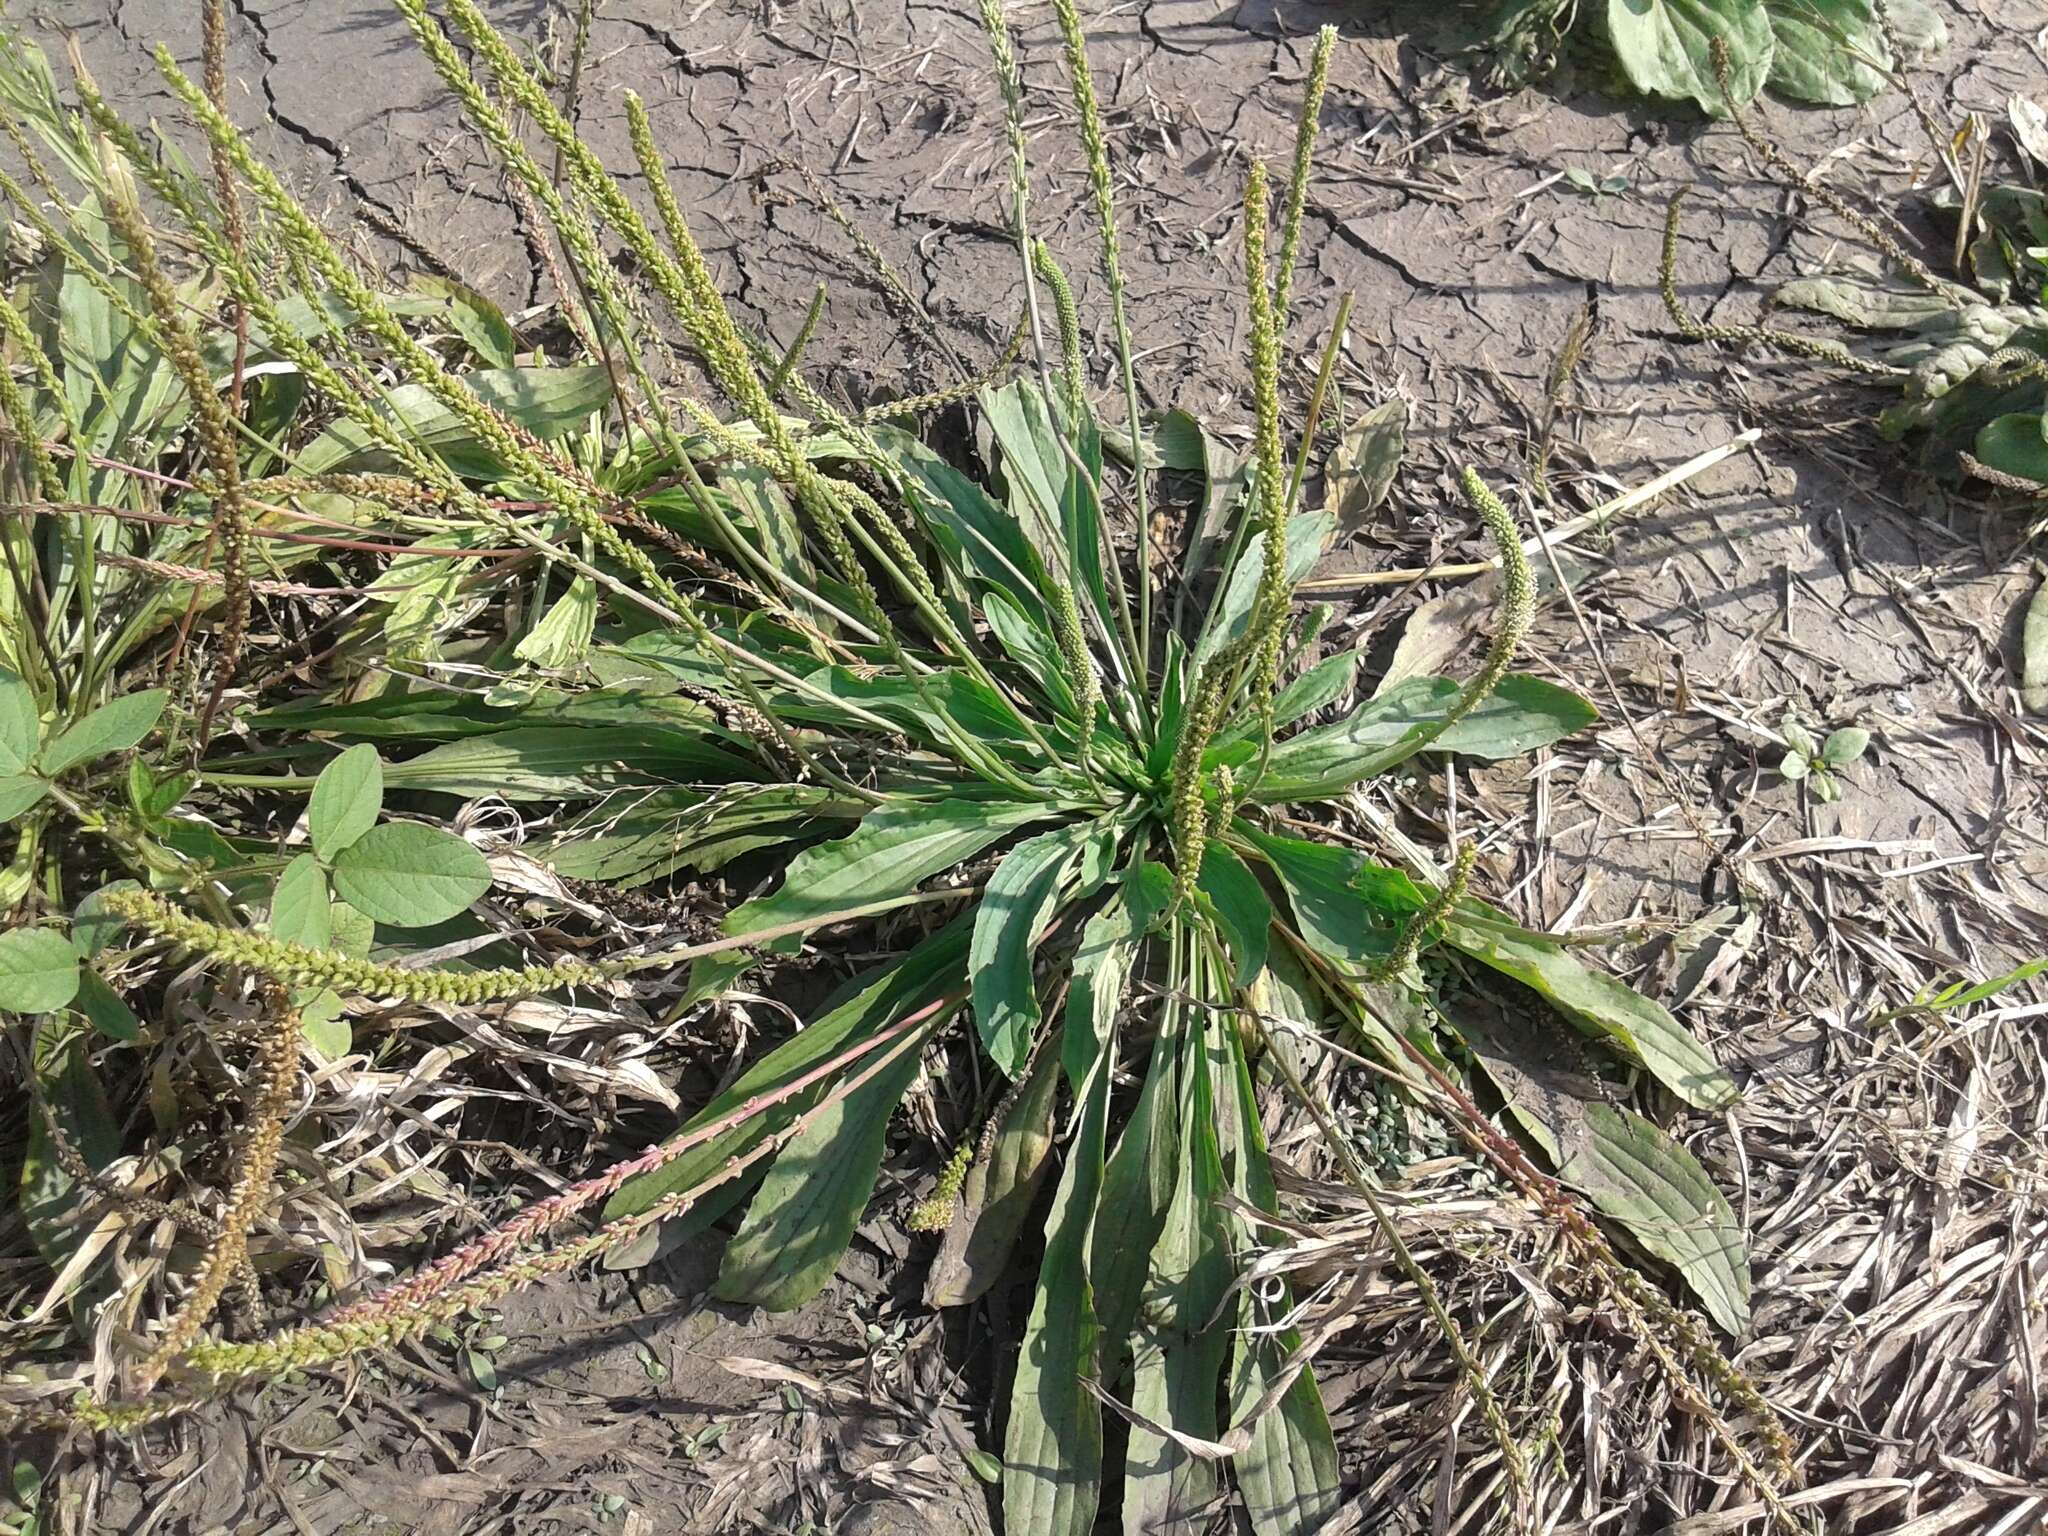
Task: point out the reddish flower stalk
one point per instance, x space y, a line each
399 1314
551 1212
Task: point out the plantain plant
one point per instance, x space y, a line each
1967 352
1105 820
1823 52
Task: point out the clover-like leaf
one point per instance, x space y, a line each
93 927
346 799
410 875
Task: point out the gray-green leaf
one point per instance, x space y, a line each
1362 468
410 875
1843 747
1665 47
20 792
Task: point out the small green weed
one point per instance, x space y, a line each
1816 764
1969 353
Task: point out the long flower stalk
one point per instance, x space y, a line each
1097 152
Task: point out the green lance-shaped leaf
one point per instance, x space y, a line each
894 850
1322 886
1231 617
1177 1350
557 762
1520 715
1644 1029
1052 1453
1634 1173
547 402
1244 915
2034 653
562 636
804 1213
870 1003
1288 1473
1137 1184
998 1193
1102 964
1352 910
1007 923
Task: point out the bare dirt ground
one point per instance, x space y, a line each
1888 1170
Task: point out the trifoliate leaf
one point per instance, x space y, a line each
20 792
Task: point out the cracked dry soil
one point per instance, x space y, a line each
1816 571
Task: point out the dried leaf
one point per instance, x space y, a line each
2029 126
1361 471
999 1190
